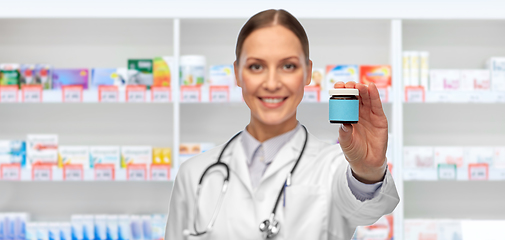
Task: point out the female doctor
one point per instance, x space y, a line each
274 180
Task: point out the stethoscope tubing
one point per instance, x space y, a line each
287 182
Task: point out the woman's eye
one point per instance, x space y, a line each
255 67
289 66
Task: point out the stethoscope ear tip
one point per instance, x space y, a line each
186 232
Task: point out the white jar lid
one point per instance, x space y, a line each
344 91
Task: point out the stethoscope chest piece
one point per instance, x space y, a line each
270 228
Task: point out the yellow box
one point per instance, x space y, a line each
162 156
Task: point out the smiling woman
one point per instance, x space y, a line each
334 188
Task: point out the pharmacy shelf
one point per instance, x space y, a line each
462 97
462 174
455 44
454 199
88 175
56 201
365 9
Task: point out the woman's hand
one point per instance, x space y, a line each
365 143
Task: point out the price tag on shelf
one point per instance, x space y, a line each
73 172
475 97
108 94
191 93
42 172
500 97
11 172
8 94
161 94
136 172
160 172
414 94
104 172
32 93
219 93
136 93
442 97
447 171
383 94
72 94
478 171
312 94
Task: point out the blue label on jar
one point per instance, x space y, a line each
344 110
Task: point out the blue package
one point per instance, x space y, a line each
146 227
103 77
70 77
10 233
2 226
20 226
65 231
124 227
12 146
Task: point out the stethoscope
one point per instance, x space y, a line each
270 227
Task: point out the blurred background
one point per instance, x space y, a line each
101 101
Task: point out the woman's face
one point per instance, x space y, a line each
272 73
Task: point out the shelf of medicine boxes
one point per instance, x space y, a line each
459 45
464 125
90 125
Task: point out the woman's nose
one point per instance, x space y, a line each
272 82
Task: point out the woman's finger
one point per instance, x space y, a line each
375 100
339 85
345 135
350 84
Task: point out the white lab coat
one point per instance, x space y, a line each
318 204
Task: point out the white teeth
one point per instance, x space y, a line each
272 100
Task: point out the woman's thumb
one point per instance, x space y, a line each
345 135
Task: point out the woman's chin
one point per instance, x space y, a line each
273 119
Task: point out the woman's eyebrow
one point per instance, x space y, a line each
290 58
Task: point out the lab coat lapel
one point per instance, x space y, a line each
236 159
287 154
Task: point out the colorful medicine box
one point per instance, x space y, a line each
143 74
9 74
74 155
163 69
222 75
105 155
341 73
43 74
70 77
136 155
380 75
42 149
162 156
103 77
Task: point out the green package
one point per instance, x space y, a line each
9 77
140 72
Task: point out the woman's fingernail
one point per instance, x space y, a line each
344 128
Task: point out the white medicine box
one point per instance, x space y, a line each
445 80
418 157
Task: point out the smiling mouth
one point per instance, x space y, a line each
273 100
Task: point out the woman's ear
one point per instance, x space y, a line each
309 73
235 70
